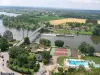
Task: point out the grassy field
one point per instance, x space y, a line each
95 59
14 42
61 21
57 31
47 18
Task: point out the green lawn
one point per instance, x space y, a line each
14 42
47 18
86 33
61 60
95 59
59 31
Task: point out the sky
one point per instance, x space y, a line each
73 4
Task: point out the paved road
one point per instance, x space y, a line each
4 68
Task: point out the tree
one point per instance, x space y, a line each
60 69
26 40
96 30
83 47
86 48
21 58
8 35
45 42
16 51
3 44
48 24
91 50
59 43
94 21
45 61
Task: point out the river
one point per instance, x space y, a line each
72 42
17 34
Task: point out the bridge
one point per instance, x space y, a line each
18 44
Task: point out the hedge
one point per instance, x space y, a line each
19 69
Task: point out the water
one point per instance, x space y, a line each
76 41
9 14
74 62
17 34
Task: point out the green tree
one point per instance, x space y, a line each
48 24
94 21
96 30
59 43
45 42
86 48
3 44
91 50
83 47
26 40
60 69
45 61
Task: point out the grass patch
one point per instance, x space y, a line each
61 31
95 59
60 60
14 42
47 18
85 33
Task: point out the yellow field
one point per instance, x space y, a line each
98 21
61 21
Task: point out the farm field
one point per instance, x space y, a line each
61 21
98 21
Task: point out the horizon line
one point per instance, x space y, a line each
50 7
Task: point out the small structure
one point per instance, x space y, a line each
38 57
8 35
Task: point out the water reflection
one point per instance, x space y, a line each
95 39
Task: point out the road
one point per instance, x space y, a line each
5 69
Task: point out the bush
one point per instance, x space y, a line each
60 69
59 43
71 69
45 42
45 61
86 49
19 69
10 44
4 44
36 68
26 41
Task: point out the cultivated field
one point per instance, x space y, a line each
98 21
61 21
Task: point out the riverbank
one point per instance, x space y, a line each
62 31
